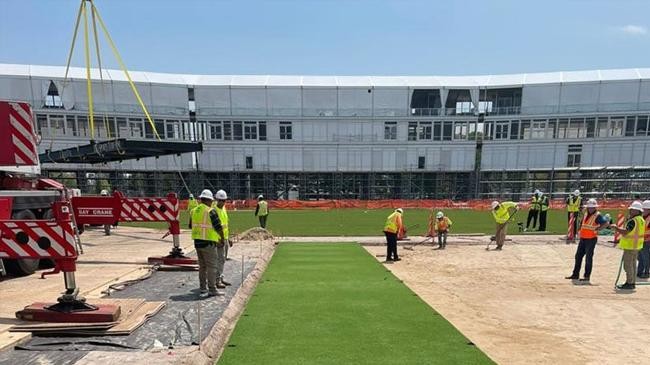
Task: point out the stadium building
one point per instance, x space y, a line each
366 137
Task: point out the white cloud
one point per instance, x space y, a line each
634 29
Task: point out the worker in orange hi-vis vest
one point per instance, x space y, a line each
592 222
441 227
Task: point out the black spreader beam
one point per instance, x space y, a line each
118 150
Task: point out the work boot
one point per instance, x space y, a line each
203 291
397 259
225 282
499 247
572 277
584 280
625 286
220 285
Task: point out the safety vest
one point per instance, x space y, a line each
634 239
223 217
192 203
646 236
589 228
502 214
534 203
264 208
202 224
543 203
443 224
574 204
393 223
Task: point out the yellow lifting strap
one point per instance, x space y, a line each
89 87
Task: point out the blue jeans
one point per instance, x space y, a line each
644 260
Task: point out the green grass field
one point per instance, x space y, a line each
335 304
359 222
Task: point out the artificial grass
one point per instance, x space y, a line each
360 222
335 304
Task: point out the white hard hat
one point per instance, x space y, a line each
206 194
592 203
494 204
576 192
646 204
399 210
103 192
439 215
221 195
537 192
260 196
636 205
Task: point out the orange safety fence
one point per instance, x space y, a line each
477 204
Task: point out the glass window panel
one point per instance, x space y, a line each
57 125
514 129
425 130
616 126
412 131
237 131
390 130
630 126
437 131
524 131
82 125
227 131
552 128
71 125
562 127
262 131
642 125
447 130
602 127
591 127
460 130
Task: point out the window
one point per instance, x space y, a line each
172 129
413 131
552 128
485 107
136 128
215 130
591 127
285 130
160 128
227 131
538 130
52 98
262 131
514 129
524 131
57 127
460 130
563 125
421 162
630 126
82 124
602 127
237 131
250 130
201 130
447 130
573 155
390 130
41 125
642 126
501 131
576 128
616 126
425 131
437 131
464 107
71 125
249 162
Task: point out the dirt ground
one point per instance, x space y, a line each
517 307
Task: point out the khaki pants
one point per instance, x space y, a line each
207 257
221 252
500 234
629 264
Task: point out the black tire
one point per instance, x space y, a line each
22 267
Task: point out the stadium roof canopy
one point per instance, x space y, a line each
334 81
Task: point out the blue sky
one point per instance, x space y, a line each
354 37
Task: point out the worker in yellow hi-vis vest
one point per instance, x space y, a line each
392 226
533 211
631 242
502 212
262 210
222 252
573 207
441 226
207 233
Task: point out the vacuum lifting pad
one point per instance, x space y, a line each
40 312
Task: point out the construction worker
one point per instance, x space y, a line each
543 201
502 213
207 233
592 222
393 225
573 203
533 211
643 270
107 227
222 251
632 236
262 210
441 227
191 203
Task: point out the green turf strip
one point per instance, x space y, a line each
335 304
360 222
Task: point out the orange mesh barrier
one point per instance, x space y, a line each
478 204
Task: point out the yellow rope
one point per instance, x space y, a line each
101 73
126 72
89 87
74 39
